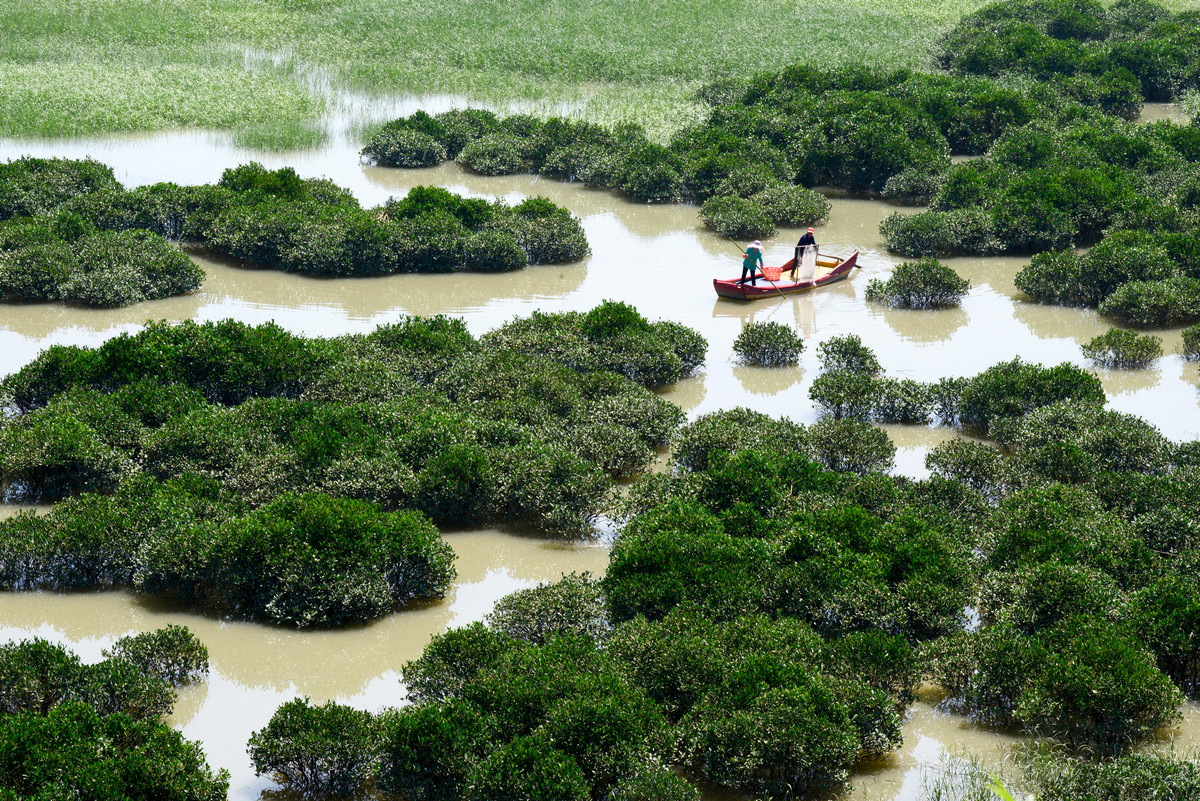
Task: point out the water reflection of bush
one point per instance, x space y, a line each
767 380
924 325
188 701
326 663
1127 382
292 298
1058 322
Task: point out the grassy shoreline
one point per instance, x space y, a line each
269 71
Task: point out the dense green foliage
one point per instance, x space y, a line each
172 653
1135 49
1123 350
265 474
851 387
316 750
300 560
768 344
1050 186
862 129
76 751
1190 344
72 730
1142 278
30 186
275 219
923 284
68 259
612 337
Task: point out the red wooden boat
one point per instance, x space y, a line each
830 270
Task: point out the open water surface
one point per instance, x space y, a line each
658 258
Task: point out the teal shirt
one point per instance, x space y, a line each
753 258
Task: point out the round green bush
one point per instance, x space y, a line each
968 231
759 738
900 401
525 769
316 750
768 344
74 750
732 430
648 173
551 239
914 186
431 750
1123 350
737 217
473 213
106 268
173 653
848 354
654 783
1012 389
302 560
496 154
793 206
573 605
1190 345
458 127
976 464
452 659
851 446
844 394
404 147
30 186
494 252
1097 687
1170 302
923 284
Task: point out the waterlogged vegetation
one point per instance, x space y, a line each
260 69
765 621
1124 350
768 344
267 475
774 599
94 242
71 729
922 284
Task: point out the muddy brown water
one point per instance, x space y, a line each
658 258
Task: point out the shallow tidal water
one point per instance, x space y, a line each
660 259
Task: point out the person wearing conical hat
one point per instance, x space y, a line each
752 263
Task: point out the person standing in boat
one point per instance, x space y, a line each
752 263
806 241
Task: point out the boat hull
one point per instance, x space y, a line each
764 289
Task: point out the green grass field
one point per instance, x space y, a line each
271 70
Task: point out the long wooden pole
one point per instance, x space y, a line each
764 272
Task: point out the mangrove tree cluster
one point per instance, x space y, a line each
72 730
51 256
1131 49
765 621
264 474
91 241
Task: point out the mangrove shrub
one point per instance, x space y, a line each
1123 350
316 750
923 284
768 344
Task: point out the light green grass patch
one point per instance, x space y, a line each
87 66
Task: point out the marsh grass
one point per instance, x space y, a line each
266 69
